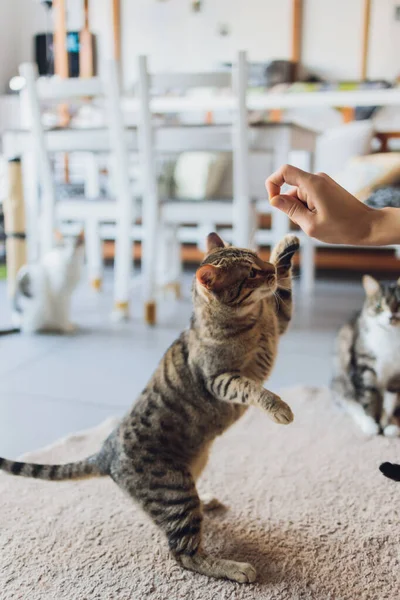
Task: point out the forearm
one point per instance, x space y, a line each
232 387
384 227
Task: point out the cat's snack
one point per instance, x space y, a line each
203 384
366 378
43 291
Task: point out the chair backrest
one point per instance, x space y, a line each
59 91
237 81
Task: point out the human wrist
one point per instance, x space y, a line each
383 227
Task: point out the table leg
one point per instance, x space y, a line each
32 205
94 253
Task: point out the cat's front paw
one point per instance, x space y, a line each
369 426
283 252
391 431
282 413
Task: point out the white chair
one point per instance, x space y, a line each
165 220
88 210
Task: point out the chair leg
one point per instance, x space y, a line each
149 273
307 275
150 312
176 263
169 263
94 253
92 179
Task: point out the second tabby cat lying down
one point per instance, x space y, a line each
203 384
367 366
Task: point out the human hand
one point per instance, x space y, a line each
326 211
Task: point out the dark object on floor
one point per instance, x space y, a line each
391 471
387 196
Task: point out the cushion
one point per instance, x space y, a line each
201 175
364 174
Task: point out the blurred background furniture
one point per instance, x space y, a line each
352 102
90 211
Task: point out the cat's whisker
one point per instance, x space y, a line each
280 301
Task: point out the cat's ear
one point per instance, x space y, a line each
209 277
371 285
213 242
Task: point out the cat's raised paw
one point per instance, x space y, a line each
282 413
285 249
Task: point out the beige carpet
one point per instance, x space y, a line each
308 507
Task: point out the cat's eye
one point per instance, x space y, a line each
378 307
253 274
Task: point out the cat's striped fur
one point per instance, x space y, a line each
367 362
203 384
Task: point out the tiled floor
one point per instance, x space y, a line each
54 385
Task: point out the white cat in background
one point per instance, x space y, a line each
43 296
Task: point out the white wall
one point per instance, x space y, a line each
8 44
177 39
384 58
332 37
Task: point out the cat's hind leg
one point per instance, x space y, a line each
169 497
219 568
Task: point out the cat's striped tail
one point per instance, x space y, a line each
82 469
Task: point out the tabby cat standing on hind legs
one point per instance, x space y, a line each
203 384
367 362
